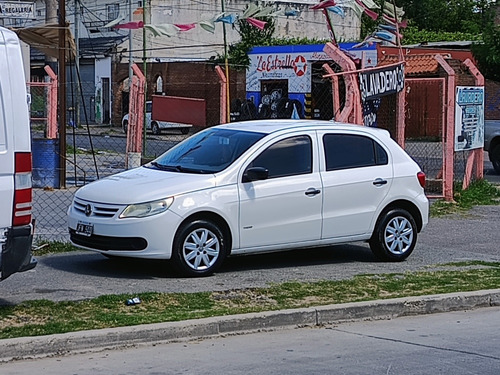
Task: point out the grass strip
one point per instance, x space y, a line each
479 193
43 317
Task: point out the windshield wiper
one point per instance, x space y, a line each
170 168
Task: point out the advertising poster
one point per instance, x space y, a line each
469 118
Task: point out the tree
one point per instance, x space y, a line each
250 37
467 16
487 53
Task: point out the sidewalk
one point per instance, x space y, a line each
113 338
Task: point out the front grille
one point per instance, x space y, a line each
95 209
108 243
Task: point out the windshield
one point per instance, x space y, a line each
209 151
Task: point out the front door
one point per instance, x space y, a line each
286 207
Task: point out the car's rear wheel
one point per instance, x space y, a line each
125 126
199 248
155 128
494 155
395 235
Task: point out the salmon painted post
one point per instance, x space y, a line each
352 111
136 120
52 104
449 129
223 95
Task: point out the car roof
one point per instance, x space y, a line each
268 126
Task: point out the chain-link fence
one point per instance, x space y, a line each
96 137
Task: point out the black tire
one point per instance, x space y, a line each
395 235
199 248
155 129
184 130
494 155
125 126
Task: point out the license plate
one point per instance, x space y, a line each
84 229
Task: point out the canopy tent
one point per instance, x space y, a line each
46 39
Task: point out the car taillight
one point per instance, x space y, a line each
23 189
421 178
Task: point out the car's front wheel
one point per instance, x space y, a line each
494 155
199 248
395 235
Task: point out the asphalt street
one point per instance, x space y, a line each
81 275
453 343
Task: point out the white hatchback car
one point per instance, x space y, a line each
257 186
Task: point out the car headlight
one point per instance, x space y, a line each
147 209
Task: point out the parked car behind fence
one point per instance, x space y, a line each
492 142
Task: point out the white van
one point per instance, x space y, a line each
16 227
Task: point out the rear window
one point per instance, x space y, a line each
344 151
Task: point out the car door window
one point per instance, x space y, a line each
287 157
344 151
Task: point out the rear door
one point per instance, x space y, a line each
357 175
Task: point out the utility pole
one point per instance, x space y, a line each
144 67
62 93
76 110
226 65
51 17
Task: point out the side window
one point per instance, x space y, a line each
344 151
288 157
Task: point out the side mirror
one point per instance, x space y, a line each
255 174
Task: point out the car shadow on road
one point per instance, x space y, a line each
96 265
336 254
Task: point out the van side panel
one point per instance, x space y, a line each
6 139
15 138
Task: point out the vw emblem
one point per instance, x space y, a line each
88 210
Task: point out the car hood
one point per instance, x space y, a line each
143 185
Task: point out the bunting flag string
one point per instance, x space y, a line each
250 15
386 31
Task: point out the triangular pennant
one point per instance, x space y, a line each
370 4
264 12
120 18
392 11
163 30
289 12
207 25
130 25
386 36
324 4
229 18
257 23
370 13
186 27
337 10
250 11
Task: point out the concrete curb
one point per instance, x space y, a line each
95 340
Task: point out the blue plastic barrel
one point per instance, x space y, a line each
45 153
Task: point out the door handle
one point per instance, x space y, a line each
379 182
312 192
